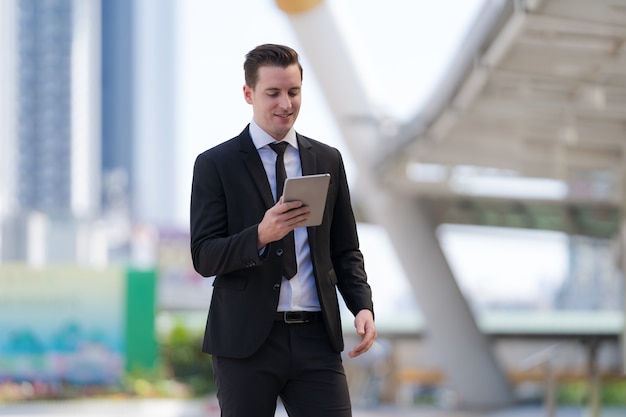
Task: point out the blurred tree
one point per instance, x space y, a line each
184 360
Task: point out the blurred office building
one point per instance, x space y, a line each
51 142
79 113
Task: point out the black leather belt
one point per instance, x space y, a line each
295 317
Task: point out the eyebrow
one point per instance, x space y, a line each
278 89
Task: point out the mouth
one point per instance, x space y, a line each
284 116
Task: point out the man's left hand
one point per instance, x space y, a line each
364 324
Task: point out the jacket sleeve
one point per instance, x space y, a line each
346 256
213 249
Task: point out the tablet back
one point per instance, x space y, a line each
312 191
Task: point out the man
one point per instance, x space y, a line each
272 335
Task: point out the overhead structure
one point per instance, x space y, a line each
535 95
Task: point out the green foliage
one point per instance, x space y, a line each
185 362
612 392
151 383
572 393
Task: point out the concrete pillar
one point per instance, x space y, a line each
466 358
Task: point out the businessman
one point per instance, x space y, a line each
273 327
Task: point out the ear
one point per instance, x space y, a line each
247 94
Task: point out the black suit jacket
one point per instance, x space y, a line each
230 194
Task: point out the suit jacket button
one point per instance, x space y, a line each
279 252
276 287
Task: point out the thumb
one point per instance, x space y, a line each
360 326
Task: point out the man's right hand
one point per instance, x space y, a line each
281 219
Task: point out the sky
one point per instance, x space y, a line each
405 47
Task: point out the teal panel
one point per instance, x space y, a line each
141 343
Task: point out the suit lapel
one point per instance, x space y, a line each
307 156
253 162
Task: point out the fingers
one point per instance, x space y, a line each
366 343
297 217
282 207
365 327
281 219
290 215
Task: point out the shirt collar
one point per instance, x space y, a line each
261 138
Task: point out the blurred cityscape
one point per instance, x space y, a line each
89 180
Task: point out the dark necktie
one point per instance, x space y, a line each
290 266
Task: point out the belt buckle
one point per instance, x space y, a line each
293 317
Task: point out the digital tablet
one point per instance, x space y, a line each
312 191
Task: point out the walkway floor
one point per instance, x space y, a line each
204 408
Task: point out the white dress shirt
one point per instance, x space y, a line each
298 293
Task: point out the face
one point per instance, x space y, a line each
275 99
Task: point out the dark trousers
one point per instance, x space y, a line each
296 364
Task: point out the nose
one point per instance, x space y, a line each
285 101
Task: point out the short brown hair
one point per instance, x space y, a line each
268 55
